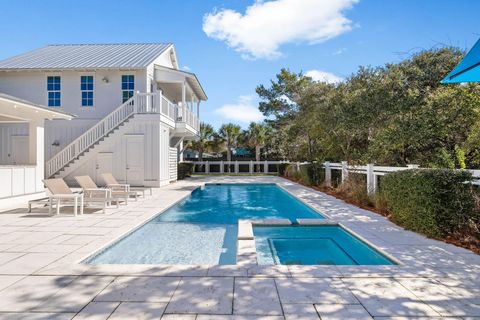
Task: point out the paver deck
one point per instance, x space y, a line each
41 276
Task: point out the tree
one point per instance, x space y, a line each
205 140
395 114
229 133
256 137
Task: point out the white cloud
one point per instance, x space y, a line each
266 25
323 76
186 68
244 110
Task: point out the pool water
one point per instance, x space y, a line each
202 229
313 245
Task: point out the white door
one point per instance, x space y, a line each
20 148
104 165
135 160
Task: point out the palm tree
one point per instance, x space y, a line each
206 137
257 136
229 133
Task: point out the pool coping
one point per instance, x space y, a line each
246 248
113 241
84 260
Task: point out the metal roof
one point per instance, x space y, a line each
53 111
87 56
191 79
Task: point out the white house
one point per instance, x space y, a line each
134 109
22 151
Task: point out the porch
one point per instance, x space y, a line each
22 156
184 91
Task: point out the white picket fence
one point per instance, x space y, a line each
372 171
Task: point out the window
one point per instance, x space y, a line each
128 85
86 87
54 91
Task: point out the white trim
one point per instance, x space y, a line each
83 74
53 74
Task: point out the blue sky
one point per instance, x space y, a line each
233 50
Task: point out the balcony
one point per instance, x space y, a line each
179 116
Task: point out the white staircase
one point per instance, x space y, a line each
139 103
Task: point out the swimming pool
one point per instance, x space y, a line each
313 245
202 229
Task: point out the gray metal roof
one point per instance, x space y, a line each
87 56
13 99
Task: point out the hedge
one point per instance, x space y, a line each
435 202
311 174
184 170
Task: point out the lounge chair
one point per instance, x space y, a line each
111 182
60 192
92 193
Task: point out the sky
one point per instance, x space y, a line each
233 46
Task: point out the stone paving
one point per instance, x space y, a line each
41 276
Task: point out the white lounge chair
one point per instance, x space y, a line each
94 194
111 182
60 192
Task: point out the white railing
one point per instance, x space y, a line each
220 167
90 137
140 103
370 170
186 116
372 173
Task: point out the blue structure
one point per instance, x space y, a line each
468 70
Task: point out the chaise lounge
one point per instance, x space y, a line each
112 183
92 193
60 192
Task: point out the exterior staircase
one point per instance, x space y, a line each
78 148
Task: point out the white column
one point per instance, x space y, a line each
184 102
207 167
265 166
371 185
36 150
344 171
237 169
328 174
221 167
250 167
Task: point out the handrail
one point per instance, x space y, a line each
140 103
90 137
186 116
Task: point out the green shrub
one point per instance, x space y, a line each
184 170
312 174
435 202
281 168
355 188
292 172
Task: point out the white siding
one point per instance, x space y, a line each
173 164
6 133
64 132
18 180
156 137
32 86
164 148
